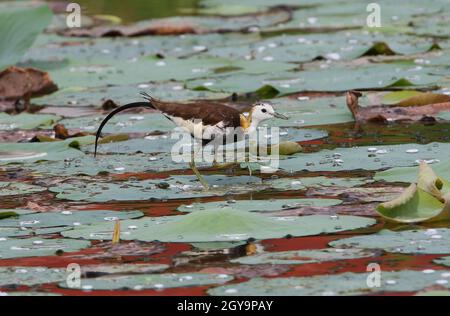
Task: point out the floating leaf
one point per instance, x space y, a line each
30 276
314 182
412 206
36 247
259 205
151 281
34 152
430 241
419 203
123 94
26 121
24 232
68 218
326 285
222 224
443 261
179 187
419 99
364 157
18 188
123 268
303 256
20 24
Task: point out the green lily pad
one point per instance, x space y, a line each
412 206
320 111
102 73
314 182
115 164
126 123
165 143
259 205
49 48
24 232
223 224
124 268
20 24
30 276
179 187
26 121
326 285
443 261
151 281
430 241
18 188
304 256
409 174
68 218
96 96
34 152
337 78
425 201
364 157
36 247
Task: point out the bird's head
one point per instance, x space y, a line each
262 111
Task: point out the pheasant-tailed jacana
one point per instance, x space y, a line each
205 121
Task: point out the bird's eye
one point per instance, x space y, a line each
264 110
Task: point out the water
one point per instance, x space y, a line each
137 10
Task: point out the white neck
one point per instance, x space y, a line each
253 126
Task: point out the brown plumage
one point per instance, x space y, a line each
210 112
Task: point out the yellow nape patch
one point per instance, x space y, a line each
245 123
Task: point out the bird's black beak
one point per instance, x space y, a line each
280 116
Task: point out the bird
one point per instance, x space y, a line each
207 121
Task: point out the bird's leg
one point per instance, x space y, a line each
223 164
195 170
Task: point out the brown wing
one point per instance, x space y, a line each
211 113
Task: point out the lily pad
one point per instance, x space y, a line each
304 256
179 187
18 188
419 203
36 247
364 157
412 206
30 276
409 174
20 24
302 183
326 285
223 224
114 164
123 268
333 79
426 241
151 281
443 261
26 121
24 232
259 205
320 111
68 218
123 94
34 152
166 142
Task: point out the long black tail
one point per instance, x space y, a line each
119 109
